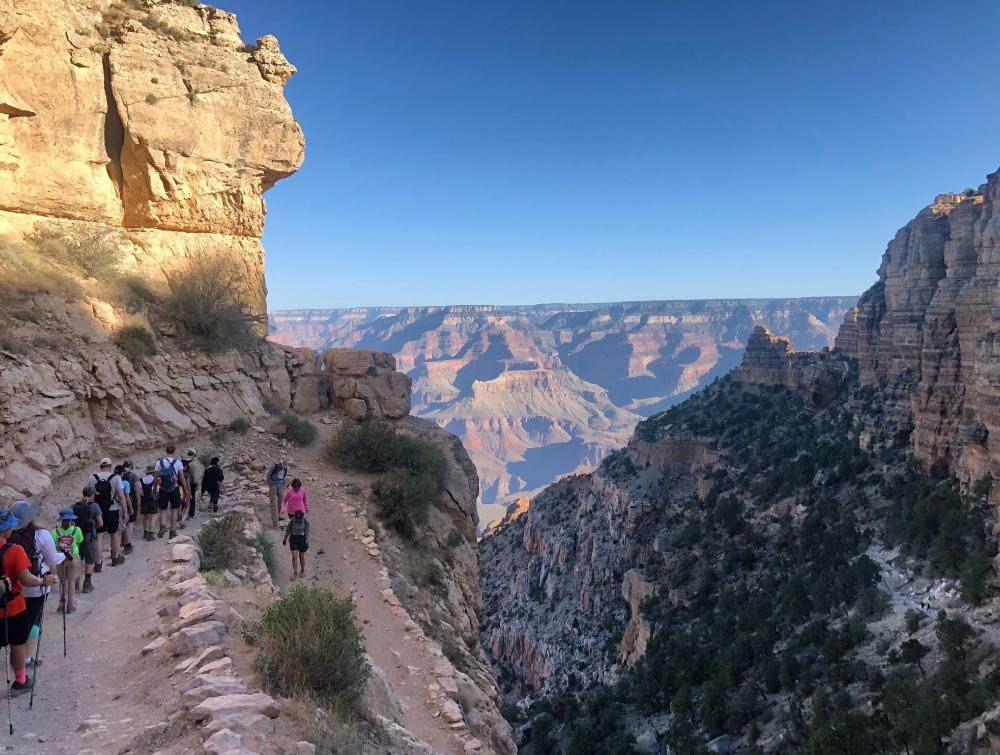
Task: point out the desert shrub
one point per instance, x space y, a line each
298 430
152 99
403 499
310 643
137 341
265 547
208 303
94 255
222 542
374 446
270 406
240 426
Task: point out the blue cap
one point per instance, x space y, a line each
7 520
24 512
67 515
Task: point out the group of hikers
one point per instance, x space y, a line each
104 523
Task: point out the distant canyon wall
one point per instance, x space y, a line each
539 392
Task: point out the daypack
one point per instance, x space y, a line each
25 537
275 479
168 475
84 518
297 526
147 490
66 539
9 595
104 494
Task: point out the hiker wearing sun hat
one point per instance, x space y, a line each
16 574
44 557
68 537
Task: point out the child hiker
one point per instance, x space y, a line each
149 502
68 538
297 537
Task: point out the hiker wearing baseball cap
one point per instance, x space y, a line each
16 574
109 493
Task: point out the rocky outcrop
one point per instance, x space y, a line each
769 360
151 119
927 331
539 392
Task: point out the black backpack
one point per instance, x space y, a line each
297 527
147 490
9 595
84 519
25 537
103 492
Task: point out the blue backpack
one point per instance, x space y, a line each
168 475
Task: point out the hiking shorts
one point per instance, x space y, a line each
33 610
133 512
149 507
14 629
88 549
170 499
111 522
298 543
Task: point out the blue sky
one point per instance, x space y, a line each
525 151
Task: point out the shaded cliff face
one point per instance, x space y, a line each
927 331
536 393
151 119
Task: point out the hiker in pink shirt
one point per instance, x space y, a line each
295 499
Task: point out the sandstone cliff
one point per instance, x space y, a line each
926 332
150 119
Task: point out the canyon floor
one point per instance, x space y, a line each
103 692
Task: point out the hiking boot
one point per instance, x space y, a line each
150 535
71 609
117 560
162 532
128 548
16 686
98 567
88 586
173 533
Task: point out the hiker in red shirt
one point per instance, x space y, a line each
14 626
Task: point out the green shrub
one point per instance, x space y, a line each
265 547
240 426
403 498
298 430
310 643
374 446
152 99
137 341
95 255
208 302
222 542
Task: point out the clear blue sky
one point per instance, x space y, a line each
525 151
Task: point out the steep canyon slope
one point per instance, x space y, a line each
539 392
794 559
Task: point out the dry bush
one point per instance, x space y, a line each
208 303
137 341
94 255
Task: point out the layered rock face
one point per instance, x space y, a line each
927 331
540 392
150 119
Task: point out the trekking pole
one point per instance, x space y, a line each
62 598
38 651
6 660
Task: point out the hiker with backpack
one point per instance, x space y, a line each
110 496
276 487
149 506
123 522
173 490
68 538
45 559
89 519
297 538
194 470
211 483
130 479
14 627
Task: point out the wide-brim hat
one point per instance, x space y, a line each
7 520
67 515
24 512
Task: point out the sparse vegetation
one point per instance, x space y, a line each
152 99
137 341
240 426
208 301
222 542
310 643
93 255
265 547
298 430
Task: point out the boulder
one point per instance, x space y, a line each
218 707
242 722
194 639
222 741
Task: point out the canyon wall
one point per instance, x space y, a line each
539 392
150 122
927 331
